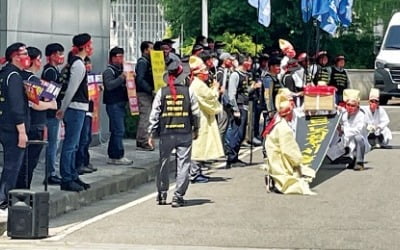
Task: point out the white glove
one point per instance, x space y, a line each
371 128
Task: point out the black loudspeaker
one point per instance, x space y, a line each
28 214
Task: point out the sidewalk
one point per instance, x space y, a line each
107 180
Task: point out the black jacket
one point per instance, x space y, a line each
114 85
37 118
144 76
13 100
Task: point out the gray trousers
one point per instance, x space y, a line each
183 145
360 148
223 122
195 169
145 103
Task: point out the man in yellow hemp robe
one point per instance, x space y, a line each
208 145
285 172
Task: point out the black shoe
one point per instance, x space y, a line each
91 167
359 166
238 164
256 142
53 180
144 147
352 164
200 179
162 199
177 202
84 170
83 184
71 186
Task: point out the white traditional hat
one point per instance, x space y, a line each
374 94
196 65
351 95
285 45
283 104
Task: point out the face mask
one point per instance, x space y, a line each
351 110
25 62
89 49
373 106
59 59
228 63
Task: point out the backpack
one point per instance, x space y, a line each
65 77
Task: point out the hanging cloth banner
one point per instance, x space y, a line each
314 135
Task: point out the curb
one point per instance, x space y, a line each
62 202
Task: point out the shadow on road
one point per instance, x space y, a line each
197 202
326 172
218 179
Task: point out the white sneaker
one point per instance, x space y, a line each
122 161
4 213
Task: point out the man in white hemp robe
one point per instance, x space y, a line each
379 133
351 138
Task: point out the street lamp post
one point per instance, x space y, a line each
204 19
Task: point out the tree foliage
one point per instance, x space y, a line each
238 17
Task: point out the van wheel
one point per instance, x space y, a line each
383 99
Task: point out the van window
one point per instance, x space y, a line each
393 38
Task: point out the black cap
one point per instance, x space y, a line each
115 51
15 47
197 47
168 41
34 52
53 48
274 61
81 39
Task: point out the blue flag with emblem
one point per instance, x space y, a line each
329 13
264 12
253 3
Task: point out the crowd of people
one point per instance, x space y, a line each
202 113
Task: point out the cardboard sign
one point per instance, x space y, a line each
131 88
37 91
158 68
314 134
94 83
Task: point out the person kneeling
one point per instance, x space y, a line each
377 120
285 173
351 140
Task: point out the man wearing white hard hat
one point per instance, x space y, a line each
377 121
285 172
352 141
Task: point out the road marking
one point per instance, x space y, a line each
76 227
395 132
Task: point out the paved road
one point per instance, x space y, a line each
353 210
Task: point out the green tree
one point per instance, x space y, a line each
238 17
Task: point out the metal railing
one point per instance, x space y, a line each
134 21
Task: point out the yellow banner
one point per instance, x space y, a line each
158 68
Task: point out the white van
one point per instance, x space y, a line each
387 63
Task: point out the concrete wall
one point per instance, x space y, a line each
362 79
40 22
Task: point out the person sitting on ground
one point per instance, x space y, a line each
377 121
285 172
350 142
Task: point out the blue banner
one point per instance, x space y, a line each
264 12
253 3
